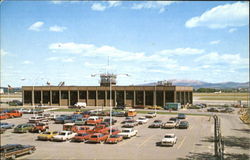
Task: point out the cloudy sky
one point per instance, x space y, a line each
68 41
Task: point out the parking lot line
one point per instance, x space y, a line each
181 143
145 141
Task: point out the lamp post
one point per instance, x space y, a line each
109 76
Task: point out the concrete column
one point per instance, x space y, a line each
78 95
23 96
69 98
180 97
144 98
87 97
154 98
164 98
175 97
134 99
96 98
115 99
191 97
41 97
50 98
124 97
106 95
60 97
184 98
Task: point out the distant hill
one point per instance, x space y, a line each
201 84
12 90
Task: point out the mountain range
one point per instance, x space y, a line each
202 84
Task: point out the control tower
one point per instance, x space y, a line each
107 79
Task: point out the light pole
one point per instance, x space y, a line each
109 76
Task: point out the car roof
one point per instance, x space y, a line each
170 134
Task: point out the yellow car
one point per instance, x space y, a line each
47 135
154 107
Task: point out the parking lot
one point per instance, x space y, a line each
143 146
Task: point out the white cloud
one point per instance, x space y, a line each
70 47
214 42
27 62
56 28
114 3
56 2
98 7
230 59
222 16
36 26
181 51
62 59
231 30
152 5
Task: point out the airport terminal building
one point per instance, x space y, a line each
159 94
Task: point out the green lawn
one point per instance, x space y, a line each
222 96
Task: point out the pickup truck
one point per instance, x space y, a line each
39 127
169 140
11 151
93 120
128 132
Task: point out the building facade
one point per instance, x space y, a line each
100 95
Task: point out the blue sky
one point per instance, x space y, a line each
68 41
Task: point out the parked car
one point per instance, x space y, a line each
154 107
2 130
53 116
169 124
120 107
15 103
72 118
128 133
150 115
131 123
212 109
142 120
64 136
181 116
183 125
39 127
14 113
127 119
48 135
36 119
70 127
83 129
120 114
23 128
3 116
6 125
169 140
80 105
11 151
99 129
175 119
114 131
81 137
156 124
60 119
113 121
93 120
80 121
97 138
114 139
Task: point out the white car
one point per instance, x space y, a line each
169 124
169 140
64 136
80 104
150 115
36 119
142 120
128 132
53 116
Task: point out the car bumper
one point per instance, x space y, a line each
167 143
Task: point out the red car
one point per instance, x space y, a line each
99 129
14 114
81 137
3 116
39 127
83 129
98 138
114 139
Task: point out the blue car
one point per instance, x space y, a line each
6 125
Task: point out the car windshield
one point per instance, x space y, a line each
62 133
114 136
169 136
183 122
3 124
126 131
19 126
94 136
170 122
47 133
130 121
82 134
141 118
157 121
